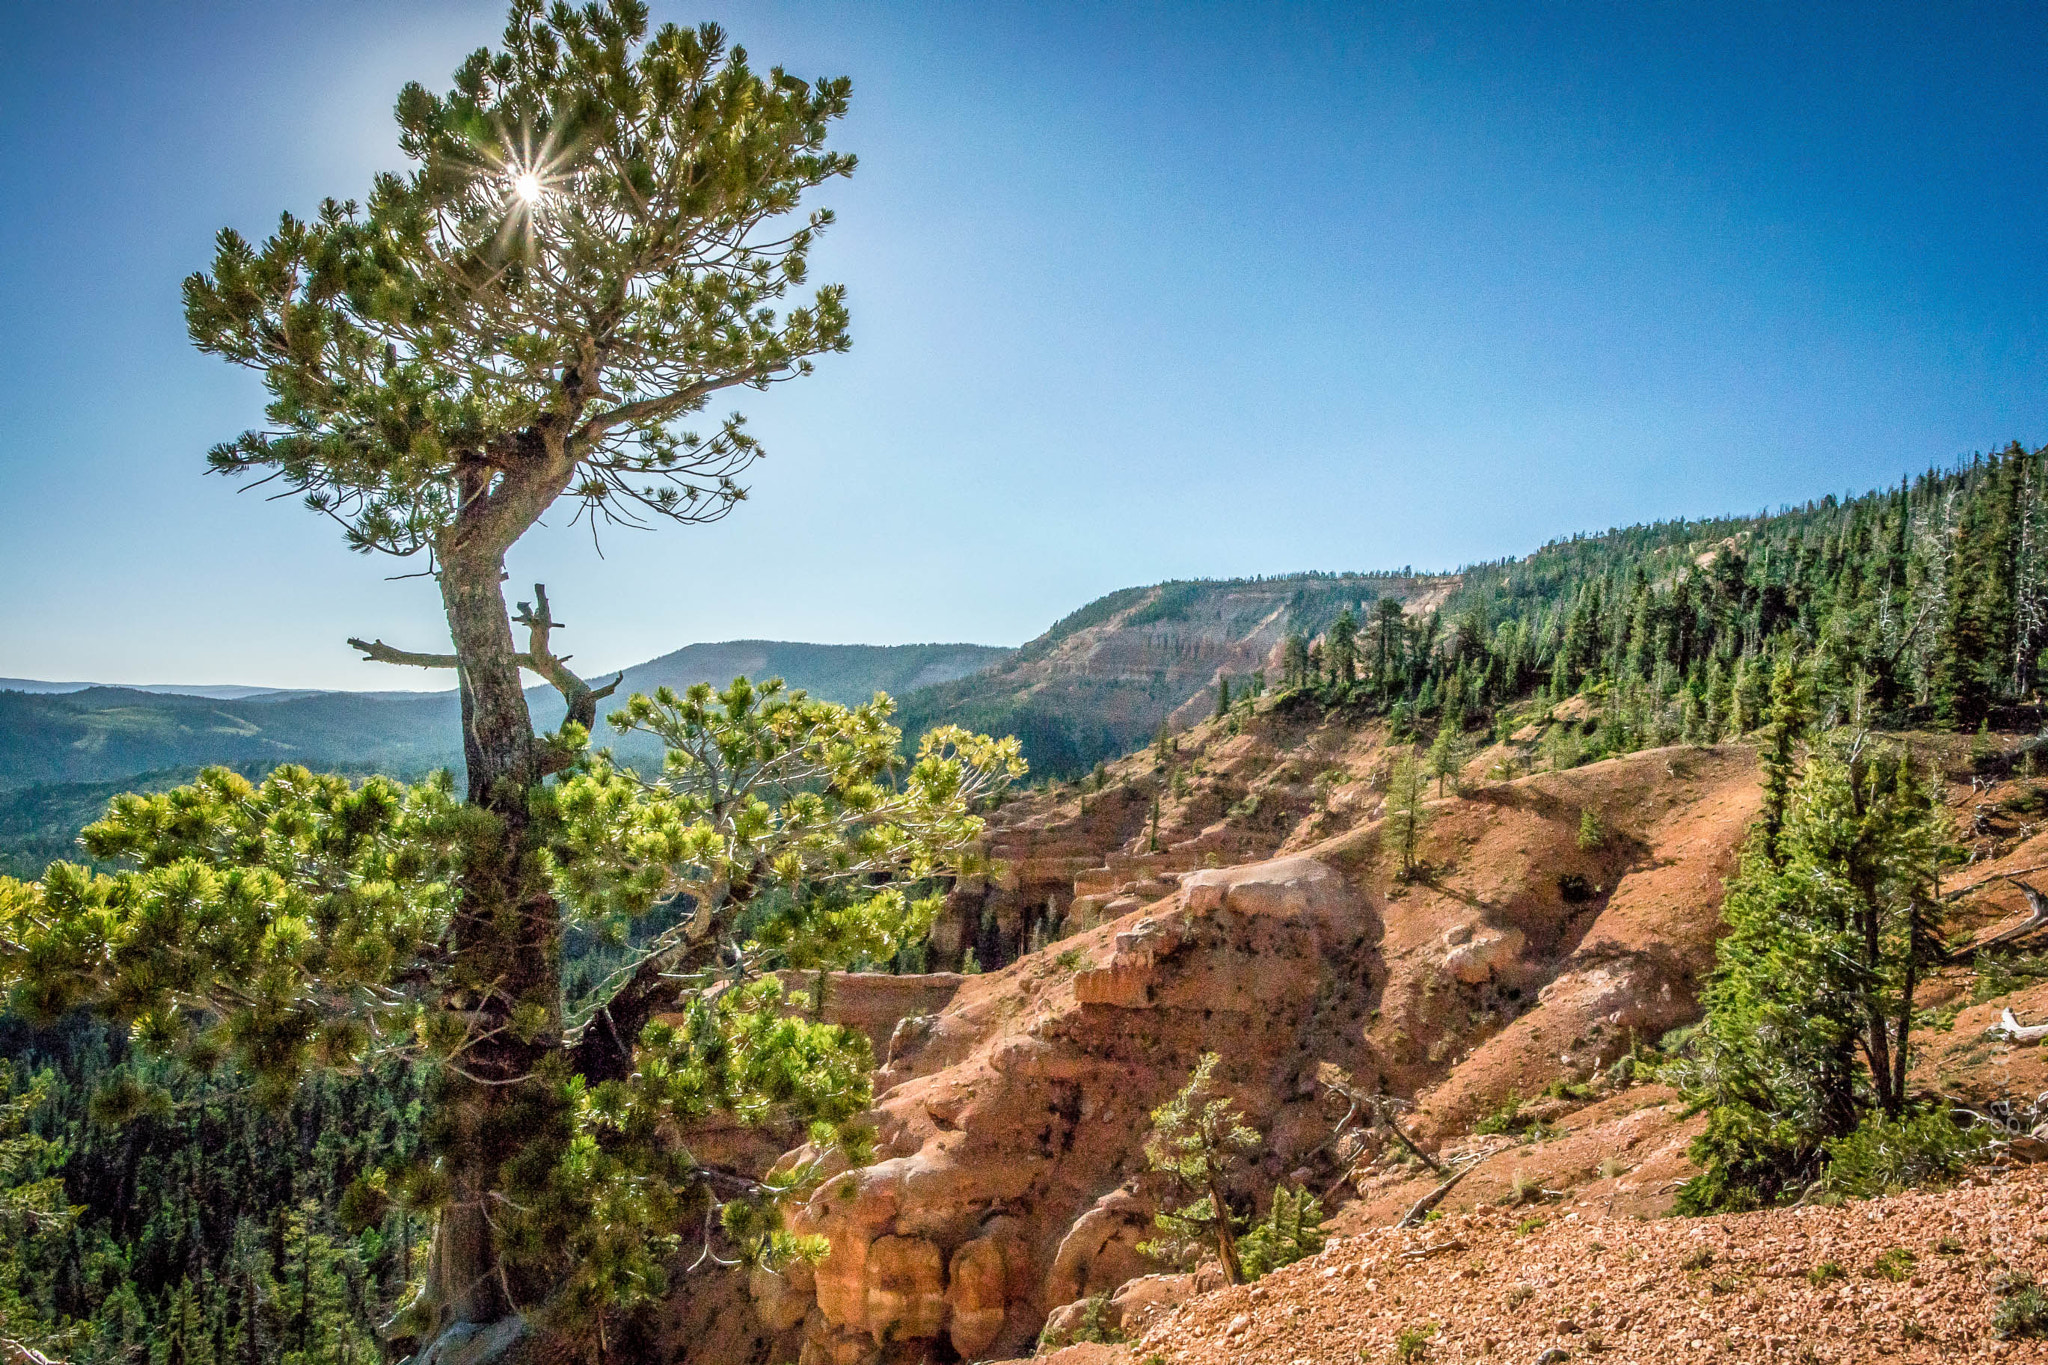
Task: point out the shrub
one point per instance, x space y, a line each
1826 1273
1894 1265
1884 1156
1288 1233
1094 1326
1412 1343
2024 1313
2003 973
1506 1119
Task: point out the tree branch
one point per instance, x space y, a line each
377 652
580 695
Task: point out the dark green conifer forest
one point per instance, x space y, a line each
203 1228
1920 606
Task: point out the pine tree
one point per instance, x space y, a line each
1406 815
1287 1234
1196 1140
1810 1010
1778 755
584 255
33 1212
1343 649
1222 696
1447 755
794 813
1295 665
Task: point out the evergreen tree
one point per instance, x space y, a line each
32 1210
1447 755
1343 649
309 925
1287 1234
586 253
1406 815
1810 1009
1779 753
1197 1138
1295 666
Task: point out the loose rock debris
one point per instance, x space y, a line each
1915 1277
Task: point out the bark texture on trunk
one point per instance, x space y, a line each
506 940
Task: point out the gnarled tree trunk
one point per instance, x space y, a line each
506 939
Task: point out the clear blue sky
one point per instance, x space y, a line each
1139 291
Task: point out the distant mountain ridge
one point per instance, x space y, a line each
216 691
1104 678
94 734
1098 683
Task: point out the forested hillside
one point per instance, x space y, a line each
101 734
1104 678
208 1228
1924 605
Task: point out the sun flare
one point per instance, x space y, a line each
528 187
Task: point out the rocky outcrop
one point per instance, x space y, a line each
1011 1138
1009 1182
1007 1191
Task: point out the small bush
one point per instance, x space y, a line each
1412 1344
1093 1326
1071 960
1287 1234
1529 1225
1894 1265
2024 1313
2003 973
1520 1295
1824 1274
1592 833
1949 1246
1699 1260
1506 1119
1884 1156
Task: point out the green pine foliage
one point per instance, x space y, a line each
289 935
1447 754
1833 921
1924 605
1288 1233
1406 814
1197 1139
195 1225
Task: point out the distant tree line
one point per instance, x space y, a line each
1920 605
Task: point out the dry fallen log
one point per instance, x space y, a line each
2013 1029
1435 1196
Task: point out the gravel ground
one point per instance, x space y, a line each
1793 1285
